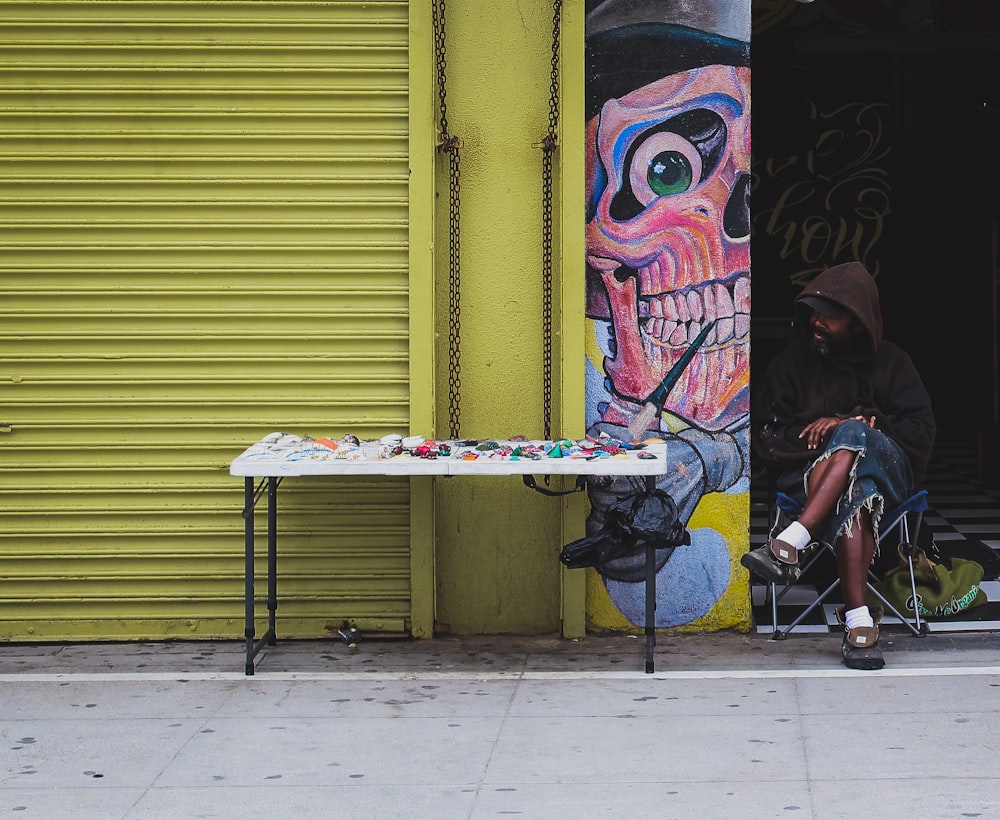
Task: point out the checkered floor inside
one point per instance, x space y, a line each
964 518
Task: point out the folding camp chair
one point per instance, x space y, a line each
904 519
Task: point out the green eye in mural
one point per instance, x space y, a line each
669 173
664 163
667 159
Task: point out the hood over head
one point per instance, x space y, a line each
852 287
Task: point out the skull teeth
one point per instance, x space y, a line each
676 318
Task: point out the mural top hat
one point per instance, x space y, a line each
631 43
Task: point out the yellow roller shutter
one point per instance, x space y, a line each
204 239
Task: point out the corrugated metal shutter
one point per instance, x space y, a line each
203 240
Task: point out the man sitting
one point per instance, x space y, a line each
846 419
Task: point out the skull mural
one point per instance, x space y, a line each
668 242
668 252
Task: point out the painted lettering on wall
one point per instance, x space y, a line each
832 199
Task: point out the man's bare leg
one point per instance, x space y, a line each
855 551
777 561
827 483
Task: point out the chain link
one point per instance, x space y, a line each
549 145
442 65
454 298
449 144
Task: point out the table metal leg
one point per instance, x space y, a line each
272 557
249 502
650 606
251 495
650 594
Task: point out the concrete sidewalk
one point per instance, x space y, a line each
728 725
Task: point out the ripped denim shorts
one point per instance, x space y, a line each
881 477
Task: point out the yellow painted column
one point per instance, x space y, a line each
421 309
497 542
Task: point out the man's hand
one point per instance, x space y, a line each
815 433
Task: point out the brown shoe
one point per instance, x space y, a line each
776 563
860 645
784 552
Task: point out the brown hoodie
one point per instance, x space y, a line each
852 287
876 379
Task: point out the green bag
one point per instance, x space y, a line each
941 592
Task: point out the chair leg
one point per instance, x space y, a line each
917 626
780 634
772 592
909 562
921 627
805 612
919 633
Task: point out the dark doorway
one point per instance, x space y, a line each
873 140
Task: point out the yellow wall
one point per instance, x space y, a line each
230 258
498 542
205 224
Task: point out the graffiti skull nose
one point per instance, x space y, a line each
736 216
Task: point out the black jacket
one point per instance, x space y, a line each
876 378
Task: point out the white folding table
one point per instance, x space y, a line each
264 465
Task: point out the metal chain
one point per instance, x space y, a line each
441 62
450 145
549 145
454 298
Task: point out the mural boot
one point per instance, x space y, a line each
775 563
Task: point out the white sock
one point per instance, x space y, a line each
796 535
858 617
